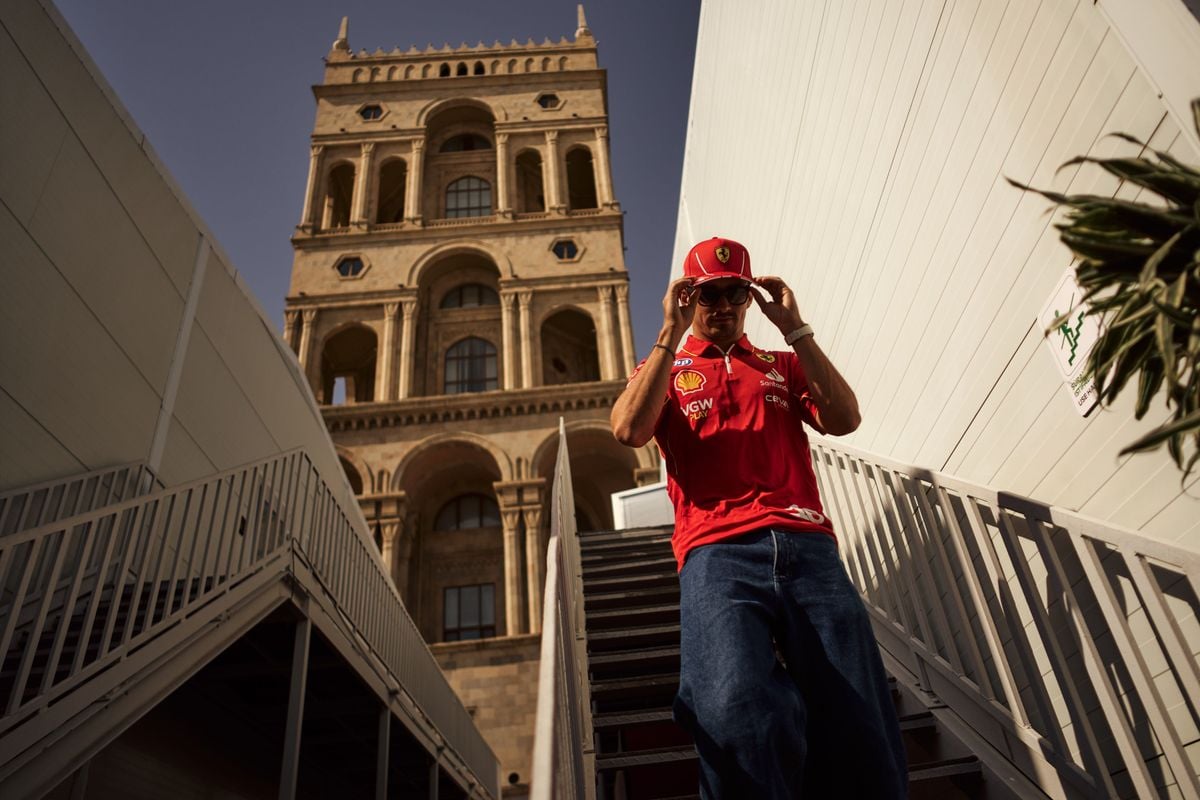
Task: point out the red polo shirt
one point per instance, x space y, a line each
732 434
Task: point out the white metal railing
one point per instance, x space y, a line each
562 732
80 593
1069 644
31 506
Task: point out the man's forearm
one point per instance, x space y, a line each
636 410
833 396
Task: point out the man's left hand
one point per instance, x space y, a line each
781 308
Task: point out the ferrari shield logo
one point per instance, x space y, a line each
723 254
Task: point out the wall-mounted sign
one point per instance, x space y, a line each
1071 340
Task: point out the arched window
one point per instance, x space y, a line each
470 295
569 353
444 71
581 179
531 190
471 367
464 142
479 68
339 191
348 366
356 482
393 180
469 197
462 70
468 511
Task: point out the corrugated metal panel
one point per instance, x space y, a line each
860 150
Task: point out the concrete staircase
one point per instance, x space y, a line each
631 602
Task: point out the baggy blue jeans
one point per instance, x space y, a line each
821 723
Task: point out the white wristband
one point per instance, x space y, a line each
798 334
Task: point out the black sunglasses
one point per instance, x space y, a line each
736 295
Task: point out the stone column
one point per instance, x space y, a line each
608 364
358 213
503 208
402 544
307 223
390 532
524 299
628 356
289 328
535 559
508 352
511 521
408 346
308 317
385 386
553 194
600 162
415 172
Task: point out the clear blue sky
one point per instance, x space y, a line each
222 90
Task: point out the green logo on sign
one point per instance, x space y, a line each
1071 336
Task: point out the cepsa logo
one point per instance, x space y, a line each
697 409
774 399
689 380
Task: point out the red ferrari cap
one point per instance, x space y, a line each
717 258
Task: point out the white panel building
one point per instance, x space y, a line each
860 150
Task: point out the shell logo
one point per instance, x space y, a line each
689 380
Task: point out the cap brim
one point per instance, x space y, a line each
703 279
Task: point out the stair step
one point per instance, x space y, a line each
655 654
610 686
645 580
619 719
620 551
594 539
932 770
612 618
662 755
640 565
630 637
919 721
631 598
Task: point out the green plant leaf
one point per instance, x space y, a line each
1149 382
1164 156
1163 432
1150 270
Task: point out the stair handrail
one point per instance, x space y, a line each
992 600
30 506
158 558
563 727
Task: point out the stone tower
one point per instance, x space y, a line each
458 286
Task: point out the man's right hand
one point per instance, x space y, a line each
679 307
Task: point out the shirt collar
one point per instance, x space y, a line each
694 346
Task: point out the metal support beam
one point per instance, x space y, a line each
291 742
433 775
383 743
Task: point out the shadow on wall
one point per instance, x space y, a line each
1035 587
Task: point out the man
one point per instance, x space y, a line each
781 682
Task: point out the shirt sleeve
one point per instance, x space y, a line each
798 386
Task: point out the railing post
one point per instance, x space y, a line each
290 769
383 745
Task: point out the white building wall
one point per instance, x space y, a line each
103 360
860 149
